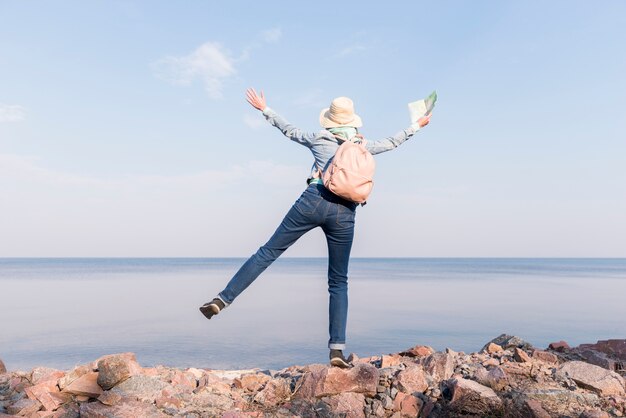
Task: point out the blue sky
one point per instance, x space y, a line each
124 130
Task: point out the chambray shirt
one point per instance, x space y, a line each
324 144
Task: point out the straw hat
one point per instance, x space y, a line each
340 113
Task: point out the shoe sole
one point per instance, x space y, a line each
337 362
209 310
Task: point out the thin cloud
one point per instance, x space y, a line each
12 113
210 63
272 35
351 49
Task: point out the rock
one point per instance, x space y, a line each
24 407
496 378
412 379
386 402
116 368
557 401
362 378
41 374
595 414
390 360
418 351
251 382
545 356
73 375
140 387
275 392
534 409
130 409
86 385
521 356
471 397
347 404
493 348
3 369
508 341
614 348
559 346
491 362
407 405
110 398
377 408
589 376
598 358
48 394
439 365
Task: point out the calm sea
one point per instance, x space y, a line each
63 312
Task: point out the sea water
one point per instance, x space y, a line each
64 312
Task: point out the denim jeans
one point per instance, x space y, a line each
315 207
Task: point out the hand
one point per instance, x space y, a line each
425 120
258 102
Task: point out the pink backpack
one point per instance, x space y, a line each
351 171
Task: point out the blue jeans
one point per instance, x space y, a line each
316 207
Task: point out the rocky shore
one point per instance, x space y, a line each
507 378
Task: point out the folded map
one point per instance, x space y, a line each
423 107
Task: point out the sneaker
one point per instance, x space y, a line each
212 308
338 360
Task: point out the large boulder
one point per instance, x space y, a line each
325 381
275 392
468 396
129 409
407 405
439 365
347 404
116 368
140 387
86 385
596 378
412 379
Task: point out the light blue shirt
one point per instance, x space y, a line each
324 144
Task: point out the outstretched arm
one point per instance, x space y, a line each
258 102
392 142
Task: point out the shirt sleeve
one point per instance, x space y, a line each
288 129
392 142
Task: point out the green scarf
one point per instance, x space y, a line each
345 132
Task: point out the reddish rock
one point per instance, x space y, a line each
130 409
184 379
390 360
496 378
471 397
407 405
251 382
41 374
545 356
214 383
86 385
534 409
110 398
614 348
168 401
521 356
73 375
490 362
116 368
412 379
3 369
48 394
493 348
595 414
320 382
348 404
24 407
598 379
559 346
418 351
275 392
439 365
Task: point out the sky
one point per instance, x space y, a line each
124 130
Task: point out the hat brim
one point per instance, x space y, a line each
326 122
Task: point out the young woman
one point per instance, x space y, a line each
316 207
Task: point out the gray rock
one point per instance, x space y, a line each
596 378
509 341
143 388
